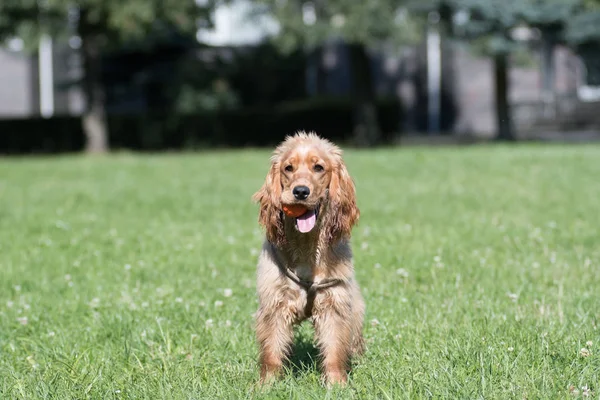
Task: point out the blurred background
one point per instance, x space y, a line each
152 75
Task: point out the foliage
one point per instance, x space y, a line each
230 77
490 22
583 28
547 14
368 22
218 97
133 276
115 21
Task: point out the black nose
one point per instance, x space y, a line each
301 192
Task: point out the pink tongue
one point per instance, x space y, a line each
306 221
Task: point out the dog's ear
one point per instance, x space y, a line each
269 199
343 212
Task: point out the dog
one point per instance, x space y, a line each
305 269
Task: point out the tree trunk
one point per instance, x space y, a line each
503 114
94 121
366 128
548 92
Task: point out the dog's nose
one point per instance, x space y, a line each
301 192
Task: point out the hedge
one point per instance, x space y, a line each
332 118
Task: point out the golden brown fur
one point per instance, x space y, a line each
337 312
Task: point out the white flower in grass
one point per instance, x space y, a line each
17 288
585 391
95 302
9 304
127 267
179 300
377 266
513 296
375 322
51 334
32 362
589 343
209 323
511 349
202 304
402 272
228 323
364 246
218 303
227 292
67 277
437 262
584 352
145 304
23 320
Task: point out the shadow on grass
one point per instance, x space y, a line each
305 357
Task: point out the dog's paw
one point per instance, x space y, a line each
335 378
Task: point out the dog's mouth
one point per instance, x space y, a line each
307 221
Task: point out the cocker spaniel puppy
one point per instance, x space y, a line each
305 269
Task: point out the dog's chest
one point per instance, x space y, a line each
304 272
308 273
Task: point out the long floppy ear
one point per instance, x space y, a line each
343 211
269 199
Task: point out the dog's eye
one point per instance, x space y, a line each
318 168
289 168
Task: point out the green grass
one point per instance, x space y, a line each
479 267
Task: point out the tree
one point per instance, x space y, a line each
489 25
583 35
489 28
359 24
101 25
550 17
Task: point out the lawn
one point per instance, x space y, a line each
132 276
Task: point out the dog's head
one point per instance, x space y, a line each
309 171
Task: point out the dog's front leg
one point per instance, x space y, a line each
275 335
333 329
